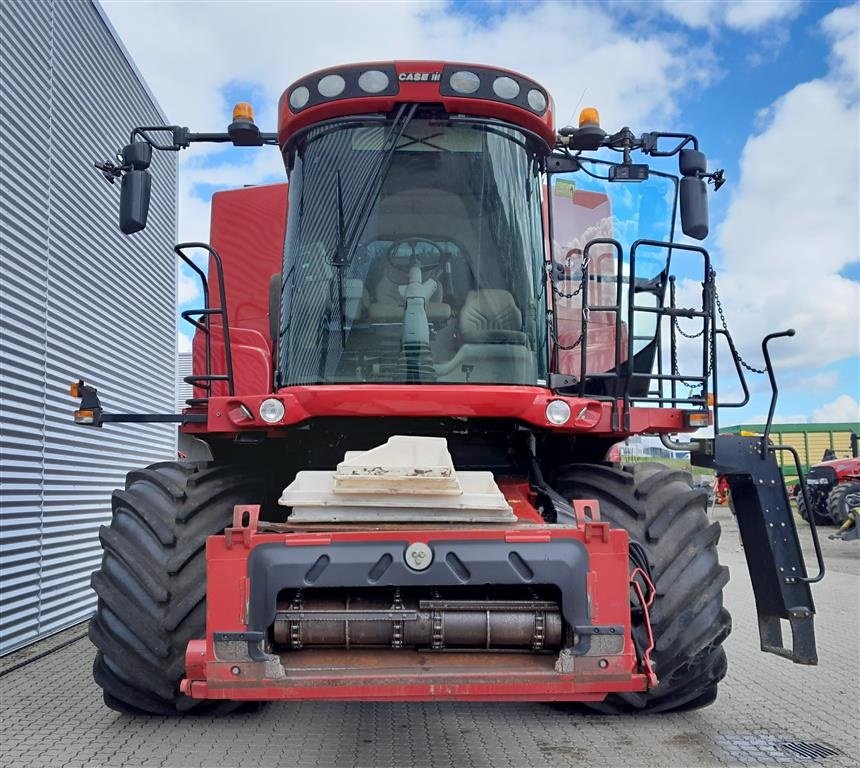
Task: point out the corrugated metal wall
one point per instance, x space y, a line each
76 299
184 391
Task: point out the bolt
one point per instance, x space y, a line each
235 671
603 663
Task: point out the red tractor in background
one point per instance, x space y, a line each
831 483
409 368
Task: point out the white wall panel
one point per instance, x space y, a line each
77 299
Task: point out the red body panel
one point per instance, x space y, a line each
527 404
388 675
845 469
248 228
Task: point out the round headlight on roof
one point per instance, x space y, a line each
506 88
272 410
331 86
537 101
464 81
299 97
373 81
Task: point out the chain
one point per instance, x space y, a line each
722 314
576 292
539 635
397 624
712 275
296 626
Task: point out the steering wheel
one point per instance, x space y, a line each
414 258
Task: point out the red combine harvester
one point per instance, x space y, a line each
410 370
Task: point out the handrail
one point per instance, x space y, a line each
773 388
812 526
200 318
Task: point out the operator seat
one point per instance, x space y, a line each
491 316
494 348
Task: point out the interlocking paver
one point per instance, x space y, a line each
51 714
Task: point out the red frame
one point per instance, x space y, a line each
523 403
456 676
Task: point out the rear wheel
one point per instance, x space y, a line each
820 517
658 507
841 500
151 586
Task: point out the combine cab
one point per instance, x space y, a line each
411 369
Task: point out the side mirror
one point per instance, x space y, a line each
138 155
694 193
694 207
134 201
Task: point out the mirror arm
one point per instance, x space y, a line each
649 143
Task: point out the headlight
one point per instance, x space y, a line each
373 81
331 86
272 410
506 87
537 101
465 81
299 97
557 412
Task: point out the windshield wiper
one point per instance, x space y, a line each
366 199
347 244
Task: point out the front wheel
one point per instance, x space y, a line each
151 586
658 508
820 518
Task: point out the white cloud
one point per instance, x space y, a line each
637 75
792 223
843 408
189 288
183 343
815 383
741 15
190 52
842 26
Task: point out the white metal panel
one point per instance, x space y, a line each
184 390
77 299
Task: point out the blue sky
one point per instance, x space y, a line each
770 88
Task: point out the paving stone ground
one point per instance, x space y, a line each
51 713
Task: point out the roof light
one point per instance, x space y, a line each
299 97
243 112
272 410
373 81
537 101
557 412
589 116
506 88
331 86
464 81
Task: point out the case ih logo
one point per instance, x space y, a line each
419 77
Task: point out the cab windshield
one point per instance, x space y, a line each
414 253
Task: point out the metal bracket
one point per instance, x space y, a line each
245 520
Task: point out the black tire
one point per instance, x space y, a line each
659 509
151 586
820 518
837 502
